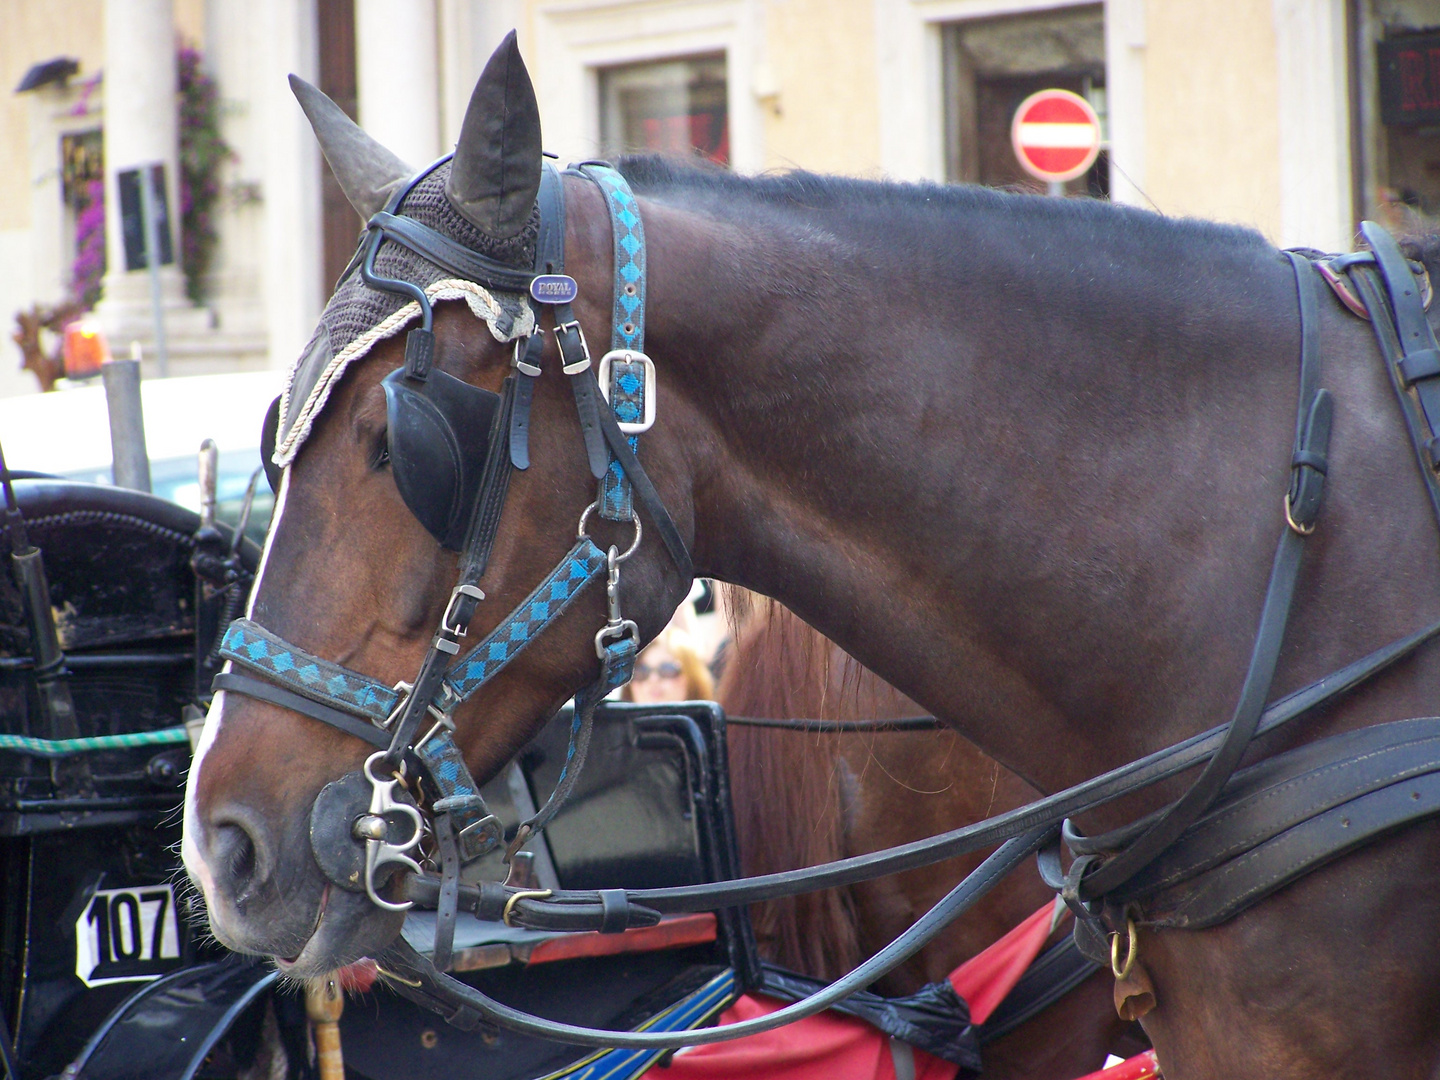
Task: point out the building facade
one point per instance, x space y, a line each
1296 117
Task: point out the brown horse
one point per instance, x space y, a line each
1022 457
804 798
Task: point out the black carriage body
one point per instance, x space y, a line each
104 969
89 883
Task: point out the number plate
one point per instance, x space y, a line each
127 935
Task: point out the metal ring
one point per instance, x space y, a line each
1289 520
1120 972
634 518
529 894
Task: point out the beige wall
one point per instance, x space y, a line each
825 112
32 31
1212 137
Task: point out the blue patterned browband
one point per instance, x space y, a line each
252 646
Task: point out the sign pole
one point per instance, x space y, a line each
1056 189
149 201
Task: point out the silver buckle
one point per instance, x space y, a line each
521 345
447 621
579 365
630 356
405 689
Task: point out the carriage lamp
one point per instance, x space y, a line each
84 349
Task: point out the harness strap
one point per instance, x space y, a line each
449 255
1420 363
1392 349
643 487
627 373
1090 880
549 259
579 909
416 977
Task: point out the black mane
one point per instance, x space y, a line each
659 174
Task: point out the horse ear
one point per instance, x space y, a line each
495 175
368 173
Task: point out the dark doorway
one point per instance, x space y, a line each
339 222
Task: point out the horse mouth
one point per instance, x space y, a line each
288 965
344 933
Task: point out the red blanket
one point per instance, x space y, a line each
831 1046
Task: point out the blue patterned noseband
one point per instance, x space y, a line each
453 448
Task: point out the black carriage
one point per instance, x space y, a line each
104 972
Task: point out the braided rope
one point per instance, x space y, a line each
53 748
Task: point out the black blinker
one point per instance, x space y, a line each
269 429
438 435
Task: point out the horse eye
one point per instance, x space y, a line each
381 457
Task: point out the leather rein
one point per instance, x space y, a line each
431 768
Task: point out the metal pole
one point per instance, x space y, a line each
1057 189
149 201
130 466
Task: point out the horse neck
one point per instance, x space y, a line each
956 443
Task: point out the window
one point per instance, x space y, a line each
1405 147
668 107
992 65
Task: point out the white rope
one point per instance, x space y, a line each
482 305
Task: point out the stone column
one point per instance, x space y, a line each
396 68
141 118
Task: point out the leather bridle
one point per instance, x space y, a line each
367 824
366 807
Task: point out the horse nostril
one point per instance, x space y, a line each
235 856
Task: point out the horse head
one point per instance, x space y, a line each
400 440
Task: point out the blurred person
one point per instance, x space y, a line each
670 669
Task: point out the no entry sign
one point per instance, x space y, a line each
1056 135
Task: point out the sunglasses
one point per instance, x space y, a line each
667 670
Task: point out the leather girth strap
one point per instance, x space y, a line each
1093 876
1407 343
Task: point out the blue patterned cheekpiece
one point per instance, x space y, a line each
627 329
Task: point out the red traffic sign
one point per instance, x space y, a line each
1056 135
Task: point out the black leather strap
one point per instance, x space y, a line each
278 695
576 356
1312 429
1280 818
549 259
642 486
1415 338
453 997
447 908
490 504
448 255
564 909
614 911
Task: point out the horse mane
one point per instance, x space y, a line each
657 174
788 793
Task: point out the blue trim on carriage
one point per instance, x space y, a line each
685 1015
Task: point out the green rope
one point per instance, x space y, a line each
66 747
